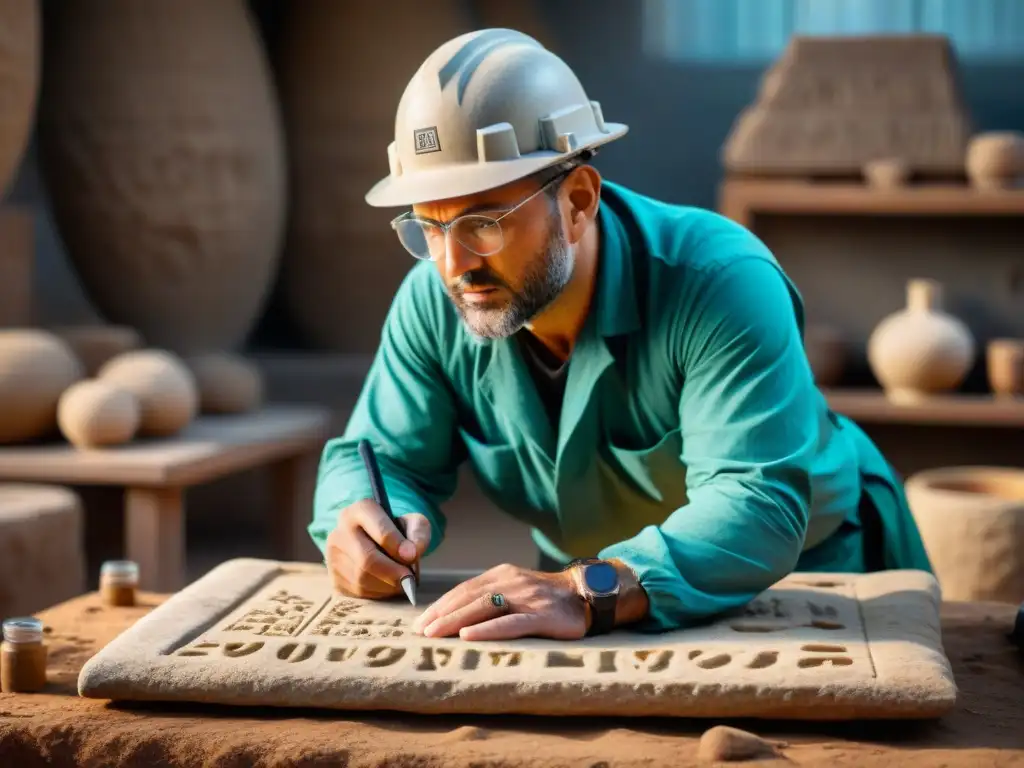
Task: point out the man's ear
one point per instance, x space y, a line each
582 195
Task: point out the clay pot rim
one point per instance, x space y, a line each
1003 485
1011 342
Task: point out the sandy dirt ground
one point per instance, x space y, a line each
56 728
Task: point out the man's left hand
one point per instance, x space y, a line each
537 604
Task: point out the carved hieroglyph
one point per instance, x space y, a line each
258 632
830 105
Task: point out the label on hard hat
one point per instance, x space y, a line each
425 140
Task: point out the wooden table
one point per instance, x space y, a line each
155 473
57 728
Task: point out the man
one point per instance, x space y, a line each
626 377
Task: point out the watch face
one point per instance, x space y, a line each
601 577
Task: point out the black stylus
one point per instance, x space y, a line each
381 497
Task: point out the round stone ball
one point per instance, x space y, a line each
165 387
36 367
95 414
227 383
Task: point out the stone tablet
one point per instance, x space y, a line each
829 105
258 632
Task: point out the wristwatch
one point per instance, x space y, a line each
598 584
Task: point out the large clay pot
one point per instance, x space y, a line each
920 350
19 81
972 524
343 68
163 151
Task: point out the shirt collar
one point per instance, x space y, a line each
615 295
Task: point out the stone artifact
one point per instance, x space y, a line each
920 350
162 148
164 385
35 369
826 352
972 523
829 105
96 344
42 558
257 632
227 383
886 173
995 160
95 413
19 81
1004 360
724 744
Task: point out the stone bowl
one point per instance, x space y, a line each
971 519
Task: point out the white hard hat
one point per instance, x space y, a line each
485 109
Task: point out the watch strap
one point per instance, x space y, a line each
602 614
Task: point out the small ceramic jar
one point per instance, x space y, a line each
119 579
22 656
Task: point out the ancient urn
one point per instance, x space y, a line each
343 67
920 350
19 81
972 523
995 159
162 148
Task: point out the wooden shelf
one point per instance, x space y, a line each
743 199
870 406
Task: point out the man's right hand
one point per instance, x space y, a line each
357 566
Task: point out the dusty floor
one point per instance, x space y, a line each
56 728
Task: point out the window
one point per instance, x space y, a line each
757 31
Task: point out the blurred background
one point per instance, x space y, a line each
195 170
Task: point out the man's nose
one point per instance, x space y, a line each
458 259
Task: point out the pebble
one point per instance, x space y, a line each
723 744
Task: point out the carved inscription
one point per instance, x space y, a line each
505 658
237 650
296 652
829 660
375 640
230 650
340 620
282 615
340 654
199 649
773 616
771 607
432 659
763 660
563 659
438 659
383 656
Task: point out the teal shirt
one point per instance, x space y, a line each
693 443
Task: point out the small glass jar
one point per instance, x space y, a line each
22 656
118 581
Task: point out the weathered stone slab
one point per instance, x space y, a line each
829 105
256 632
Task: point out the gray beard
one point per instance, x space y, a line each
542 285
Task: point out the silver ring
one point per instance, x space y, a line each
498 601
